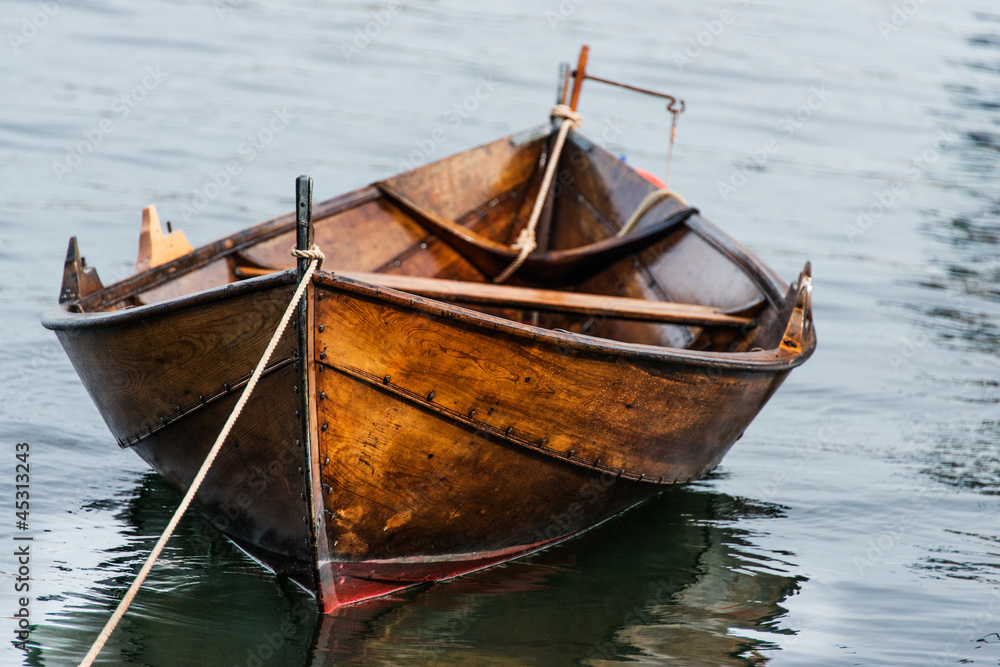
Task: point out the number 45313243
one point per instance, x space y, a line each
21 481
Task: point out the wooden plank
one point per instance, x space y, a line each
155 247
553 301
595 410
508 296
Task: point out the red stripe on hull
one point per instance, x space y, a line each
354 582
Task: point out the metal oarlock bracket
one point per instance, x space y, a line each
800 321
675 106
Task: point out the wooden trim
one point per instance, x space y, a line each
579 76
79 280
155 247
326 590
228 246
488 294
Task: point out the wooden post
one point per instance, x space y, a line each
578 76
303 241
303 220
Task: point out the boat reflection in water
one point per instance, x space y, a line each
675 577
672 579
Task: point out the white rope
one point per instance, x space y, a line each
312 253
526 241
647 203
316 255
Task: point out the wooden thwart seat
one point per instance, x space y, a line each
507 296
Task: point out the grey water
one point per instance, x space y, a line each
856 523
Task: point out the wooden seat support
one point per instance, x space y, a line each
155 247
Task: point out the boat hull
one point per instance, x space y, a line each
446 440
396 439
443 432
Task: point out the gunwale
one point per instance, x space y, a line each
101 308
766 361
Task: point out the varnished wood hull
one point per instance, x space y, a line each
463 439
400 439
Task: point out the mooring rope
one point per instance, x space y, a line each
526 240
647 203
314 254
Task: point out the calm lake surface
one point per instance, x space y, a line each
857 522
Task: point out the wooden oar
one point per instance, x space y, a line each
507 296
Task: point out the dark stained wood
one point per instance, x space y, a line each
346 238
601 188
166 395
79 280
402 481
211 274
123 293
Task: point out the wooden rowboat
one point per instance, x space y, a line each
419 421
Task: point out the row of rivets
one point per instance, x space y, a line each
543 445
180 411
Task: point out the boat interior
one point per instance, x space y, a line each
445 231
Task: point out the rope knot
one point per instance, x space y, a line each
312 253
563 111
525 241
